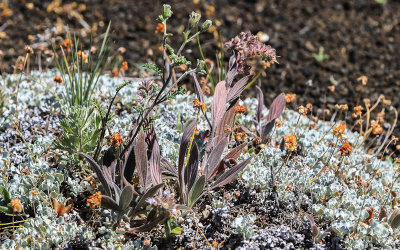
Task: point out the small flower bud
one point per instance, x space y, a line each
167 12
206 25
200 64
15 124
194 19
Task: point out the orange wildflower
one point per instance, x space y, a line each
240 109
346 149
338 131
60 208
125 65
115 72
376 128
370 212
198 105
278 122
20 66
67 43
83 55
16 205
58 79
363 79
342 106
290 97
240 136
116 140
28 49
94 200
160 28
302 110
309 107
357 111
291 143
85 58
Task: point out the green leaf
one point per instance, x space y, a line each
126 198
197 190
177 230
153 67
6 210
170 49
179 126
5 194
123 85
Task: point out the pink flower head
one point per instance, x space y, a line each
246 46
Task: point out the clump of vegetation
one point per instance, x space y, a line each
321 56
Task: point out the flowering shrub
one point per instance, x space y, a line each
247 47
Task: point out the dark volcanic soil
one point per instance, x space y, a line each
360 37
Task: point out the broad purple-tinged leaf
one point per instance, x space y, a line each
108 203
260 98
117 192
107 175
125 198
266 129
108 157
109 172
197 88
277 107
215 157
232 71
150 193
218 105
238 88
167 168
150 136
197 190
314 227
151 224
124 182
233 154
96 168
141 159
130 162
185 141
231 173
247 131
192 167
226 121
155 159
394 219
